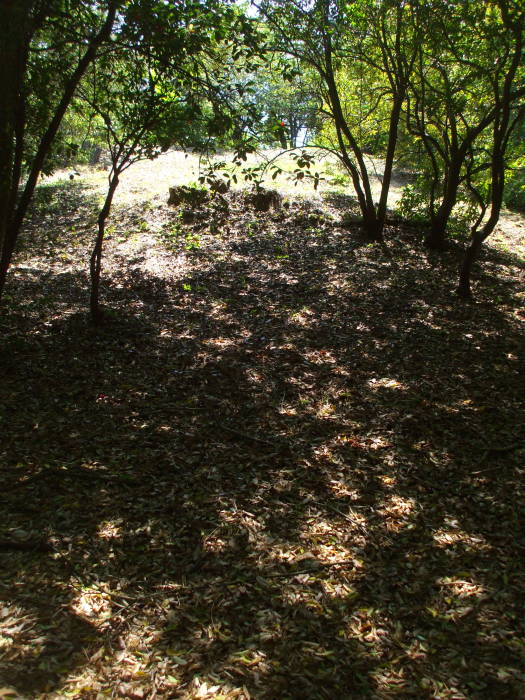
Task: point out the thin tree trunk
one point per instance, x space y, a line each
503 127
293 130
16 29
95 266
470 257
397 73
473 251
395 116
360 178
373 227
436 237
15 224
478 237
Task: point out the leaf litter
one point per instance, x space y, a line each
289 465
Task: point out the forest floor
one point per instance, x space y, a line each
289 466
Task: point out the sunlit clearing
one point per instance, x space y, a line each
324 409
219 342
215 544
18 630
341 591
304 317
388 678
317 527
210 688
287 410
396 511
342 488
338 284
366 624
377 442
254 377
321 357
388 480
133 661
324 545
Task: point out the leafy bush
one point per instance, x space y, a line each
414 205
515 189
414 202
463 217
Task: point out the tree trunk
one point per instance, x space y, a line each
470 257
474 249
15 222
293 128
359 173
395 116
372 226
16 29
436 237
503 127
95 265
497 188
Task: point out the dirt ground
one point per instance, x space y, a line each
151 181
288 466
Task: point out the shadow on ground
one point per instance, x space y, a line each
294 472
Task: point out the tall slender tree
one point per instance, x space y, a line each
334 38
464 79
510 110
30 29
173 66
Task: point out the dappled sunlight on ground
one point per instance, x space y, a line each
289 465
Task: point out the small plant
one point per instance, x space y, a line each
125 236
414 202
171 236
192 241
340 180
336 176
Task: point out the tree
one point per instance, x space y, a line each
456 94
18 23
173 68
336 38
509 112
287 107
126 93
32 29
